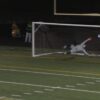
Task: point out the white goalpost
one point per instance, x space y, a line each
51 38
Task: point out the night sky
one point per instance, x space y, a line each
21 7
27 9
78 6
43 10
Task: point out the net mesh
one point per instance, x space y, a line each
52 38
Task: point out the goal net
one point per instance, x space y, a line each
61 38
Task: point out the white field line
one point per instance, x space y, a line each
15 95
41 69
2 97
38 91
70 86
47 73
92 83
49 89
52 87
98 81
28 93
80 84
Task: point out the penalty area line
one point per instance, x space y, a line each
48 73
41 69
52 87
56 71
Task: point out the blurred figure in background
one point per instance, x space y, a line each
28 37
15 31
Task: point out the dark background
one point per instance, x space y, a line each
35 10
78 6
24 11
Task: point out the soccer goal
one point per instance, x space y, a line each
60 38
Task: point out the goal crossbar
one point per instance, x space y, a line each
64 24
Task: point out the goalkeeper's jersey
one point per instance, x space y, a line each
29 28
77 48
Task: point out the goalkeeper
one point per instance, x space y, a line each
75 49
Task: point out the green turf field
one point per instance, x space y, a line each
52 77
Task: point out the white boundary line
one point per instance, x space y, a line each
2 97
49 70
53 87
47 73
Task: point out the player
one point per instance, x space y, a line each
75 49
28 37
15 30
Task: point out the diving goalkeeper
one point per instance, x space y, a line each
75 49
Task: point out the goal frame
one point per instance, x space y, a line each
50 23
